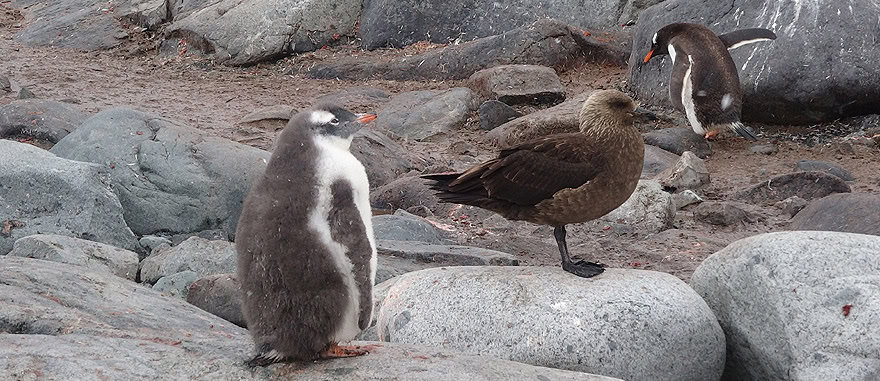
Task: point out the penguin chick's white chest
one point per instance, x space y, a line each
335 163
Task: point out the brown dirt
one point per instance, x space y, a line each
213 98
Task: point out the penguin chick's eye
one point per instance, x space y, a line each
334 121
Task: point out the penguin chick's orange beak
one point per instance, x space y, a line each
366 118
648 56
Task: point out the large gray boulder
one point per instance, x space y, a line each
39 119
423 114
75 251
841 212
43 193
169 177
781 80
797 305
226 29
631 324
72 323
402 22
806 185
196 254
545 42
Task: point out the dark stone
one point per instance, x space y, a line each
26 93
403 226
764 149
5 85
39 119
409 193
424 114
518 84
398 23
792 205
721 213
677 140
384 159
842 212
545 42
781 84
219 294
562 118
806 185
445 254
824 166
495 113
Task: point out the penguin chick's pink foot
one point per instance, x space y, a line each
339 351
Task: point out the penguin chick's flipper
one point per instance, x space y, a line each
338 351
742 37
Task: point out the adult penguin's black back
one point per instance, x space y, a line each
306 253
704 83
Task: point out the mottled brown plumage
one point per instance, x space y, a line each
559 179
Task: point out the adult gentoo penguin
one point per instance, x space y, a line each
704 81
306 251
559 179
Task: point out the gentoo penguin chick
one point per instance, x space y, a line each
704 83
306 251
559 179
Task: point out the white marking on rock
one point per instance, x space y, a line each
726 101
334 163
321 117
687 99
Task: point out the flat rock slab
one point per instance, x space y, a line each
622 323
403 226
79 252
806 185
424 114
196 254
225 29
824 166
518 84
409 193
657 160
841 212
722 213
43 193
445 254
797 305
678 140
69 322
170 178
495 113
562 118
545 42
39 119
780 85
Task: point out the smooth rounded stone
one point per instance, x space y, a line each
72 323
409 193
422 114
559 119
841 212
43 193
806 185
777 89
797 305
398 23
544 42
403 226
792 206
722 213
678 140
219 294
225 29
518 84
824 166
380 290
281 113
384 159
151 242
764 149
495 113
170 178
176 285
689 172
75 251
649 209
196 254
631 324
685 198
452 255
39 119
260 128
358 98
657 160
